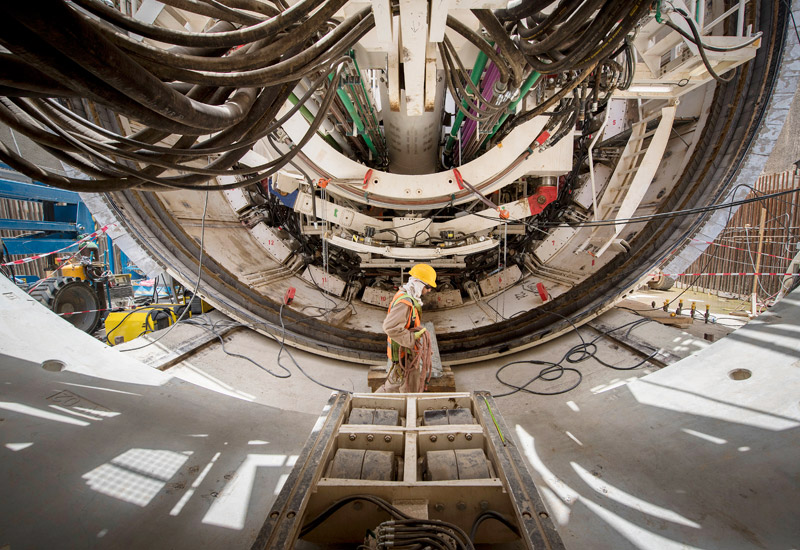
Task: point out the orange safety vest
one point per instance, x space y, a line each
393 350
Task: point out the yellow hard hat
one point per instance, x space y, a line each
424 273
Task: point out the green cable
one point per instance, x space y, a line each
475 76
308 115
523 91
499 431
364 88
348 105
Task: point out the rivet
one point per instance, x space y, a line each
439 507
370 437
433 439
461 505
353 437
468 436
451 437
387 438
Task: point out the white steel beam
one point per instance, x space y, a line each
414 40
382 11
416 253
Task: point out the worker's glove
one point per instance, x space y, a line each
419 333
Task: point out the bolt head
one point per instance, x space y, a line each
433 439
468 437
542 199
461 505
387 438
370 437
439 507
353 437
451 437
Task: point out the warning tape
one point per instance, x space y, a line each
722 274
39 256
742 249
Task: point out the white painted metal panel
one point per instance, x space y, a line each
271 241
237 199
326 281
554 242
414 39
442 299
377 296
499 281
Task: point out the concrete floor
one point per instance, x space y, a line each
679 457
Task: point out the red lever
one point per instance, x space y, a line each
366 178
289 296
459 179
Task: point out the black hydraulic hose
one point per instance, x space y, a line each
230 39
457 89
701 49
184 182
216 11
522 10
15 73
501 39
542 107
564 8
201 149
332 44
584 56
606 19
567 31
481 44
255 6
42 137
55 64
267 50
63 182
104 60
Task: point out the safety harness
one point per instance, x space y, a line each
393 350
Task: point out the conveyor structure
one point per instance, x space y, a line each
441 463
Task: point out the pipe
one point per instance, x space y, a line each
310 119
356 119
477 71
532 79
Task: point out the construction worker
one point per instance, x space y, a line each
403 330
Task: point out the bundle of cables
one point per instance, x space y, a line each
228 83
402 531
196 102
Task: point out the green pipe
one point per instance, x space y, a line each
477 72
348 105
364 88
523 91
310 119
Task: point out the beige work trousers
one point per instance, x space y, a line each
396 383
